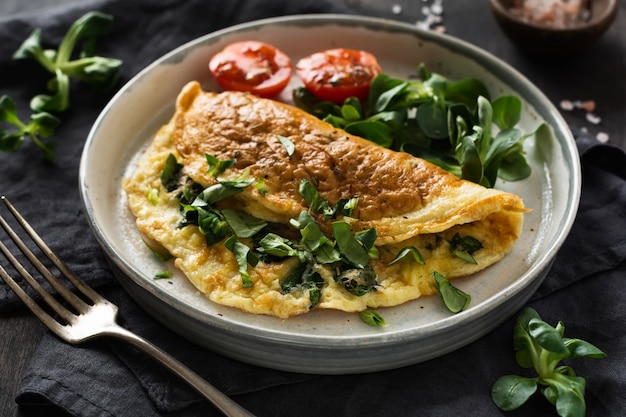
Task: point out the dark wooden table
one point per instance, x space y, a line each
598 75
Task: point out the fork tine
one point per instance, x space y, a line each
77 303
39 312
45 295
86 290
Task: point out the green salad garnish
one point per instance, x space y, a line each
449 123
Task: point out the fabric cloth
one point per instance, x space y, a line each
108 378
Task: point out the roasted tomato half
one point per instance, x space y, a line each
337 74
252 66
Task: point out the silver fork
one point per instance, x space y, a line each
95 317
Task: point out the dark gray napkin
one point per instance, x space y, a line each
585 287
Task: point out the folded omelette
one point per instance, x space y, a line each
399 204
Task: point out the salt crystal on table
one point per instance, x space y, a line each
602 137
437 7
592 118
567 105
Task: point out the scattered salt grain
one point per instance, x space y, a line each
602 137
432 12
588 106
567 105
396 9
592 118
437 7
429 22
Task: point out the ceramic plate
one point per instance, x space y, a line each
330 342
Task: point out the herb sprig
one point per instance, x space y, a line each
99 72
540 346
448 123
40 127
66 63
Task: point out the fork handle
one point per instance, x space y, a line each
220 400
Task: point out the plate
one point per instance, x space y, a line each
329 342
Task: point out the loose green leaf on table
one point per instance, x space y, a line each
70 62
39 127
65 63
541 346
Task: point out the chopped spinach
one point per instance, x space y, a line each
347 251
454 299
411 251
304 277
464 247
358 281
372 318
244 256
165 274
170 173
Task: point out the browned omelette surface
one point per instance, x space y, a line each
409 201
387 183
339 164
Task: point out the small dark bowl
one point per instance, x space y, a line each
540 39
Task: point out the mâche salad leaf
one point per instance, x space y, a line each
449 123
40 127
99 72
66 63
541 346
